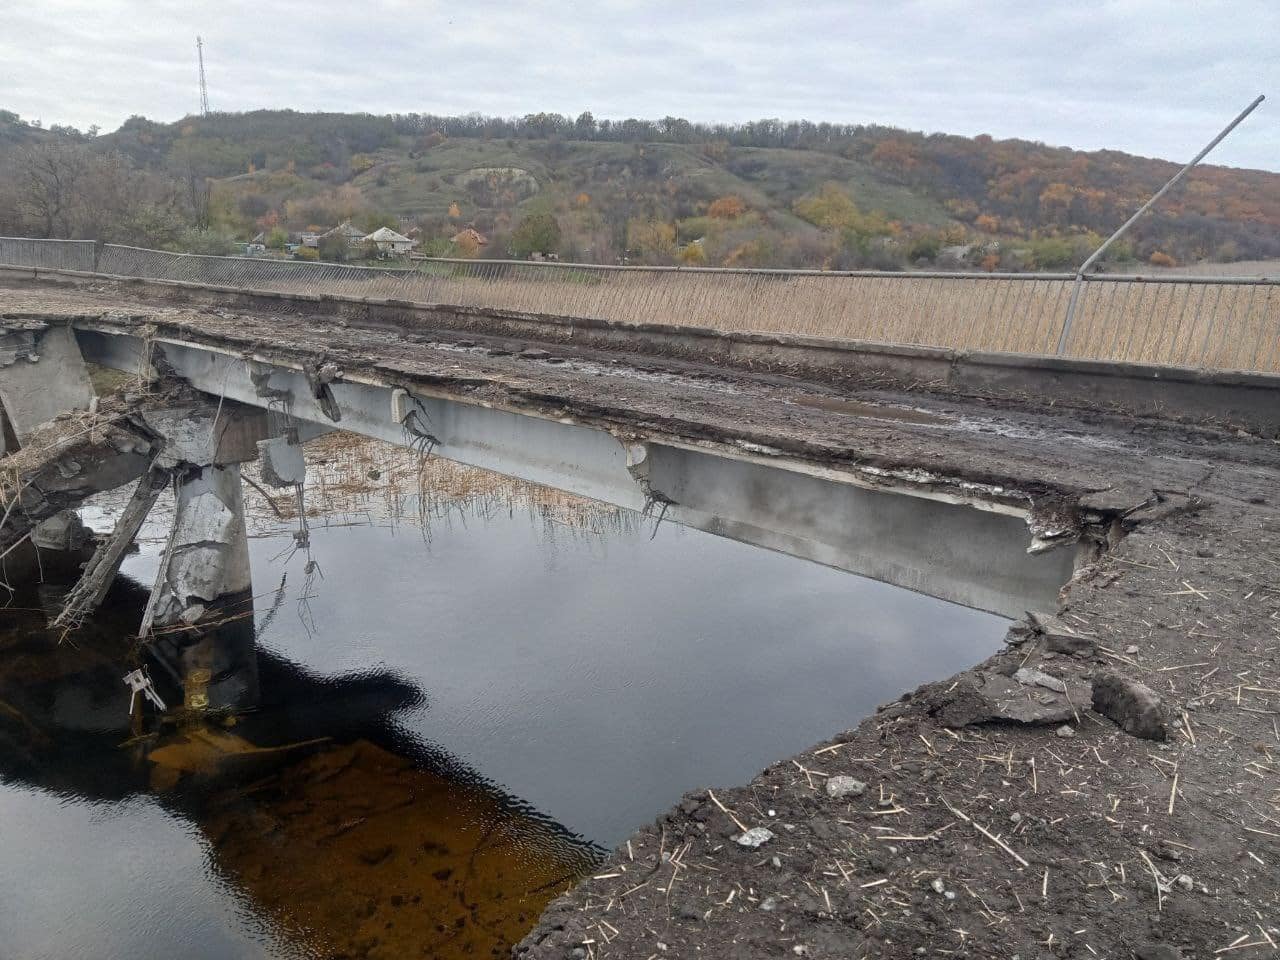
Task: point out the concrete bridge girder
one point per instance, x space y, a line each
933 542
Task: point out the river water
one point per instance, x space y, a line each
468 690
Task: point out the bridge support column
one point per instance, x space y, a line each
200 613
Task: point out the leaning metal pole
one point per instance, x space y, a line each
1084 267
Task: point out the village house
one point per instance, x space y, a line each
389 243
354 236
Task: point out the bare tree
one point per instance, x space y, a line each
49 178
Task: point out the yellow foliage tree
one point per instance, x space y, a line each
454 212
833 209
987 223
466 244
1162 259
650 238
693 255
582 200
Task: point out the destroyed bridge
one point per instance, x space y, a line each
1116 477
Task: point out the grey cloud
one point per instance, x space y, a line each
1154 78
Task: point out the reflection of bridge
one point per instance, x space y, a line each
314 752
763 444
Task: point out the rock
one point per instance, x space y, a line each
1134 707
1029 676
1167 851
986 697
840 787
755 837
1131 649
1158 951
769 903
1185 882
1066 730
938 885
535 354
1059 637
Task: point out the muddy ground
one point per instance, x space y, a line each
996 814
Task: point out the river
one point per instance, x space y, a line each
467 689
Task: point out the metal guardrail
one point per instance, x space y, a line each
1202 321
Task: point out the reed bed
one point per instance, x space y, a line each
356 480
1207 322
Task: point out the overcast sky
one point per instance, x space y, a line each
1154 77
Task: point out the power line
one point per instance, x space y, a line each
204 87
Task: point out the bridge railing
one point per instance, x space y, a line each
49 254
1210 322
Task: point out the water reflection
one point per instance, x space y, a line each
475 675
343 835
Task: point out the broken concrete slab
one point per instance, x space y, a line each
1134 707
987 697
1029 676
1059 636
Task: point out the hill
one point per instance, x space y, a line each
759 194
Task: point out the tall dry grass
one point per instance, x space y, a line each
356 480
1214 325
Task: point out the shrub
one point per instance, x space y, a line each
306 253
1162 259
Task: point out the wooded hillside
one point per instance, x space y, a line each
758 194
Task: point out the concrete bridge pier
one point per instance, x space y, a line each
199 618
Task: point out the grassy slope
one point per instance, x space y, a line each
767 179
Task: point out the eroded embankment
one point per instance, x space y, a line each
976 833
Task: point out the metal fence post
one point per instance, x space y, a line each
1084 267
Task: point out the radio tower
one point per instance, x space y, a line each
204 87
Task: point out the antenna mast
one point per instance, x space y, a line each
204 87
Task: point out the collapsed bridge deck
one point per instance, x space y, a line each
1184 603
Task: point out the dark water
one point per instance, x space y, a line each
464 704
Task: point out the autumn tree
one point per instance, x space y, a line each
653 240
728 207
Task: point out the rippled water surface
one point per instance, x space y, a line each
477 688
